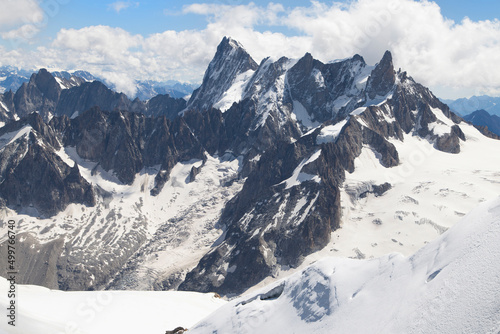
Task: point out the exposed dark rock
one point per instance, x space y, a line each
88 95
194 171
164 105
178 330
382 78
449 143
40 179
6 114
455 129
377 190
388 154
485 131
316 86
40 94
126 142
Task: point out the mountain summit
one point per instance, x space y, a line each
230 62
382 78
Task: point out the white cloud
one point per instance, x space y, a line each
19 12
22 20
448 55
459 56
25 32
118 6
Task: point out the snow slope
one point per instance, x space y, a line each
431 191
10 137
157 235
452 285
44 311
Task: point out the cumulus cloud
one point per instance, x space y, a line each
25 32
118 6
19 12
21 20
445 55
438 52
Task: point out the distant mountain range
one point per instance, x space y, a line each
62 93
484 119
11 78
465 106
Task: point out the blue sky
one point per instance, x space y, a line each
126 40
149 17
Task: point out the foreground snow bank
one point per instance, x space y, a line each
451 285
44 311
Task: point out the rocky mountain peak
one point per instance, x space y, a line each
40 94
230 60
359 58
47 84
382 78
229 43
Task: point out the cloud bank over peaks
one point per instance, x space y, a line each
440 53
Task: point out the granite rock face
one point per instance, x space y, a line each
324 89
89 94
382 78
126 142
35 177
40 94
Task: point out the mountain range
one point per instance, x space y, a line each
64 94
12 78
465 106
267 166
482 118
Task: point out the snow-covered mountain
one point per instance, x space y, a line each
62 93
448 286
68 80
269 167
147 89
11 78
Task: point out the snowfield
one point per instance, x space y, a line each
44 311
452 285
430 192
